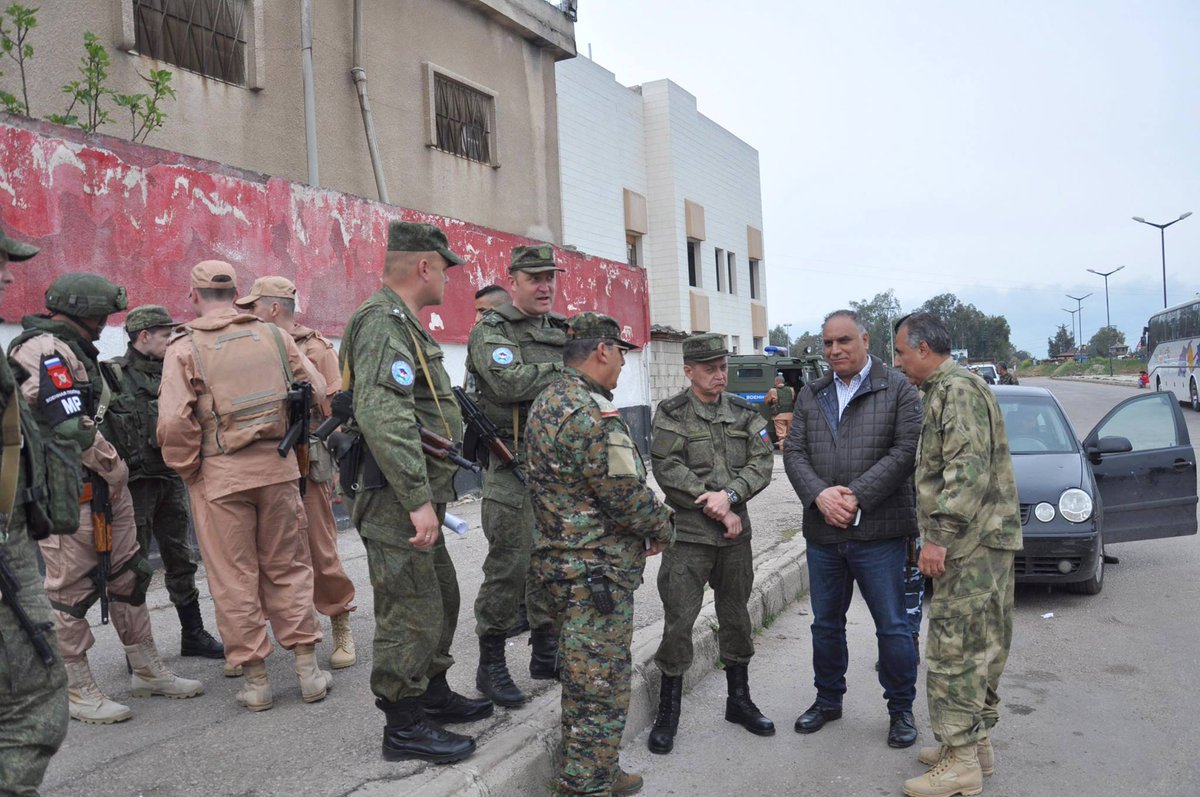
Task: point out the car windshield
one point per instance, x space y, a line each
1035 425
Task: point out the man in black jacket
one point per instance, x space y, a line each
850 457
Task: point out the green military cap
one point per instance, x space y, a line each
702 348
408 236
148 316
85 296
534 259
597 325
15 249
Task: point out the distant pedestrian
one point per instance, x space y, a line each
1006 378
781 399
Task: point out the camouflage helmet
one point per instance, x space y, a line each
85 296
148 316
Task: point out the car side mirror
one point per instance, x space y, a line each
1108 445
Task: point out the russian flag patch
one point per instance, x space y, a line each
765 435
58 372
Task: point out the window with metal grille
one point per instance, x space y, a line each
464 119
205 36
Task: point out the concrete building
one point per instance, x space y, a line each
648 179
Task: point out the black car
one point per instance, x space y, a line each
1132 478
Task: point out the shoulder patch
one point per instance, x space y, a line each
402 373
502 355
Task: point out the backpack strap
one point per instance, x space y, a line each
283 358
11 456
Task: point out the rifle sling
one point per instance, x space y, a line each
429 380
10 458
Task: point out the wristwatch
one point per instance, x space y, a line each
733 496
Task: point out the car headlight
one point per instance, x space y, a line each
1075 505
1044 512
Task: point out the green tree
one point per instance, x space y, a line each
1062 342
984 336
778 336
1104 339
876 315
809 341
12 43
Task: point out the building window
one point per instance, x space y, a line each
758 345
754 291
633 249
693 254
737 344
720 270
205 36
732 260
463 118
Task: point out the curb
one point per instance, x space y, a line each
1097 380
519 757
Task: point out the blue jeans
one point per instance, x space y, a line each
879 569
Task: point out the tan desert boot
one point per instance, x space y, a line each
956 773
931 755
255 693
151 677
626 783
314 682
232 671
85 700
343 643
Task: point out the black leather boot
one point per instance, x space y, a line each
492 677
522 624
666 722
543 662
407 734
443 704
193 639
739 707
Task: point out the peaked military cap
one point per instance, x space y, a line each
148 316
409 236
276 287
596 325
214 274
702 348
534 259
16 250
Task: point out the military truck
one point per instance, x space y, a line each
752 375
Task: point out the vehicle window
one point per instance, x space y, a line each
1036 426
749 373
1148 424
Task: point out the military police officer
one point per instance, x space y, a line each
781 399
597 521
394 366
160 504
514 352
33 703
56 360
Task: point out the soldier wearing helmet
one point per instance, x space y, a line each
56 362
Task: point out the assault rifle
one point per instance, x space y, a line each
438 447
341 411
299 402
96 493
9 588
487 433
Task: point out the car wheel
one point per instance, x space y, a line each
1094 584
1195 398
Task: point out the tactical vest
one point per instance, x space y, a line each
785 400
130 420
538 344
244 366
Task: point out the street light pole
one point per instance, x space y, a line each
1107 315
1079 299
787 332
1162 240
1073 312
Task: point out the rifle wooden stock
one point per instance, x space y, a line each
98 498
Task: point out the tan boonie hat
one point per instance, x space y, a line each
702 348
409 236
148 316
596 325
275 287
533 259
213 274
16 250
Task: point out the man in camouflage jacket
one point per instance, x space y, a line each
597 521
970 523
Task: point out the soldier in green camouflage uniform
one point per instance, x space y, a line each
1006 376
711 453
160 502
398 381
33 695
597 521
970 525
514 352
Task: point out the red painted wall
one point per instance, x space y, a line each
143 217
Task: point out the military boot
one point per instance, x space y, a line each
442 704
315 683
983 750
492 677
151 677
408 734
625 783
343 643
85 700
232 670
255 693
739 707
957 772
666 722
543 662
193 639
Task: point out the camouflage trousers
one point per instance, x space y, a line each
416 609
33 697
970 632
914 593
686 568
161 510
597 666
507 515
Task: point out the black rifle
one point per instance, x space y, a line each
341 411
9 587
299 402
96 493
439 447
487 432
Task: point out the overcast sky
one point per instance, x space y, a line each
995 151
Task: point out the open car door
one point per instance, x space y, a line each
1149 491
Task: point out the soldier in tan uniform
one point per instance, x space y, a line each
273 299
56 363
222 410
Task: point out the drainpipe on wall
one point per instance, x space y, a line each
360 84
310 95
